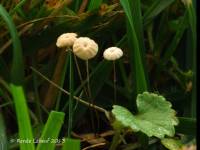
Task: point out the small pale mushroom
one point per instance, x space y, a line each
85 48
112 53
66 40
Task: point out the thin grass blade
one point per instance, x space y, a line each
71 144
51 130
156 8
94 4
71 90
16 85
136 53
193 27
175 41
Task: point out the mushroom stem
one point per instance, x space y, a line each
80 75
88 79
114 82
71 89
90 95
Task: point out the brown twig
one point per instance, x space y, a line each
52 91
68 93
83 6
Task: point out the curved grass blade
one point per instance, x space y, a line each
193 26
137 53
66 65
16 85
94 4
51 131
157 7
175 41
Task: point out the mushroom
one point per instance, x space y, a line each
85 48
112 54
67 40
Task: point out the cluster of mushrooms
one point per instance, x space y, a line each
86 48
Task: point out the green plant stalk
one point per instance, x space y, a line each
16 85
191 44
193 26
175 41
18 8
62 82
150 36
51 131
71 90
23 119
94 4
155 9
71 144
37 99
77 4
115 141
136 53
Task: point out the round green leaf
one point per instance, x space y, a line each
155 116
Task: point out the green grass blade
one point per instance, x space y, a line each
62 82
133 10
71 144
186 126
77 4
192 21
161 33
3 137
18 7
157 7
17 76
51 130
135 37
136 53
94 4
71 90
37 97
175 41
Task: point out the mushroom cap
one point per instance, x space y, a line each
85 48
66 40
112 53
